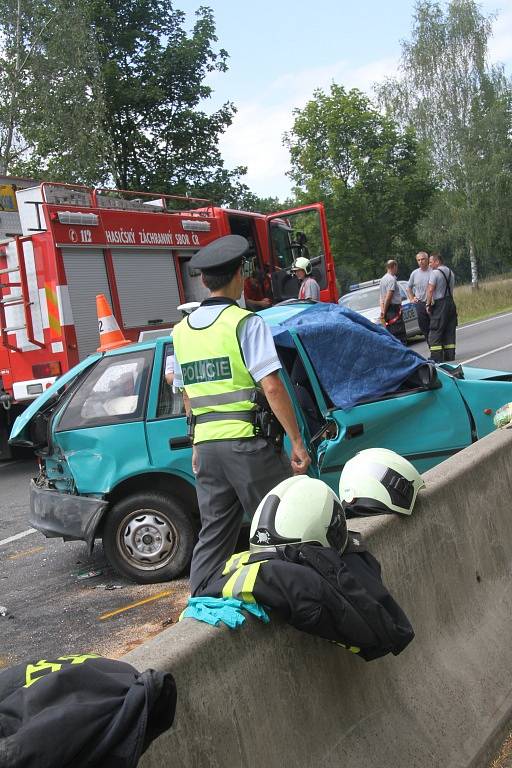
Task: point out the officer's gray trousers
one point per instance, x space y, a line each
233 476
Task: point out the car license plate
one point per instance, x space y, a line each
409 313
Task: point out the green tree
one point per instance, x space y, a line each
50 99
153 77
245 200
110 92
371 176
460 107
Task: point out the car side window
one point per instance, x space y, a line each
170 402
302 387
113 393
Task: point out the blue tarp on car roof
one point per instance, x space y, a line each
354 359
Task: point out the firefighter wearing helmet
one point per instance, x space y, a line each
306 566
309 288
225 360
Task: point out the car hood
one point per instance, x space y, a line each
20 430
479 374
482 374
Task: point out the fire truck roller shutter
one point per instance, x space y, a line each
147 286
86 277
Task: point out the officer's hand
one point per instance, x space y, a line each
195 460
299 459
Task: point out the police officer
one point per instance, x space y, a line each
222 353
442 310
391 302
417 291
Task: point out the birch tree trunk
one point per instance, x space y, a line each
474 266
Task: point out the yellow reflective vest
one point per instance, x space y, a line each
215 377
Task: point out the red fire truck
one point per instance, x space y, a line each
64 244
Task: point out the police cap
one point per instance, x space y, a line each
222 255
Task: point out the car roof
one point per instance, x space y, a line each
369 288
358 291
272 316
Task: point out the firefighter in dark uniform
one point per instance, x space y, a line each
304 564
442 310
225 360
391 302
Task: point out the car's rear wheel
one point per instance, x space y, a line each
148 537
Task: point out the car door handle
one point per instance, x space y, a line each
354 430
183 441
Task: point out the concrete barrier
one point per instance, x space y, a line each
272 696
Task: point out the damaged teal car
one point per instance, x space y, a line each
115 458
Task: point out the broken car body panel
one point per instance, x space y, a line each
68 516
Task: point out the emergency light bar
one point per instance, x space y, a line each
366 284
192 225
74 217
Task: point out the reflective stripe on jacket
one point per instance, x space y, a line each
339 597
215 377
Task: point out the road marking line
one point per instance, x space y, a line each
479 322
8 464
25 552
17 536
135 605
478 357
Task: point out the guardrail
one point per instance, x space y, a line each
272 696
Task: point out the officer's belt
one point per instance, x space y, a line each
204 418
223 398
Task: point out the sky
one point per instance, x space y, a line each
280 52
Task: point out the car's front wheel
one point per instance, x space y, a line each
148 537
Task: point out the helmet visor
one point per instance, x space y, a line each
337 530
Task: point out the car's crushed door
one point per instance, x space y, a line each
424 426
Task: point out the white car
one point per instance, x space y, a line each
365 299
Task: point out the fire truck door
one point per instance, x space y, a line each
294 233
86 276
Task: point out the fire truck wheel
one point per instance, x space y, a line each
148 537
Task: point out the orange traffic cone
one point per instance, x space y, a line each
111 336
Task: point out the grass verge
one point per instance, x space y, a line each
494 296
504 758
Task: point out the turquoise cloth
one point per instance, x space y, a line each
228 610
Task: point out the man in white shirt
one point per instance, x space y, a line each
391 302
417 291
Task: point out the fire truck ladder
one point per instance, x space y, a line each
21 299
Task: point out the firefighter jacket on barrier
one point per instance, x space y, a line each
315 589
215 376
83 711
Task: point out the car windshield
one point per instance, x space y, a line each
361 300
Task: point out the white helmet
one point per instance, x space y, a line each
377 481
298 510
188 307
302 263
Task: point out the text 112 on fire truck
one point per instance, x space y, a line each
61 245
